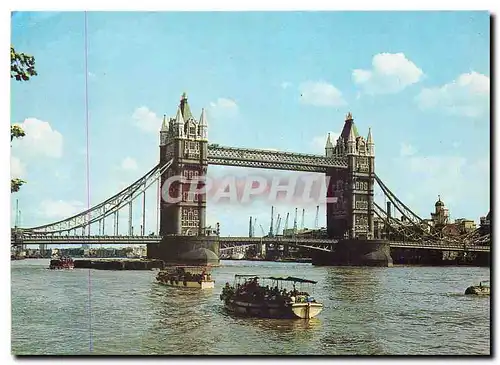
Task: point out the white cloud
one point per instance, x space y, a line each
223 108
17 168
430 166
129 164
321 93
422 178
61 175
448 176
40 140
468 95
270 149
318 143
55 209
285 85
391 73
146 119
407 150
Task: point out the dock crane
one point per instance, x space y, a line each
262 229
271 226
295 223
278 224
316 219
285 228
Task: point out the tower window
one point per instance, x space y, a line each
192 130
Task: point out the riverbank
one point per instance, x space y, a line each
118 264
295 260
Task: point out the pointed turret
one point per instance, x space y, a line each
352 136
369 143
164 125
164 131
349 122
328 141
179 123
203 125
351 141
329 147
184 106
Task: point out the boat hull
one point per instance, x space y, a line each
477 290
270 310
210 284
61 265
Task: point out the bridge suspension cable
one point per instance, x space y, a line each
420 224
109 206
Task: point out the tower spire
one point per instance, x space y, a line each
164 125
203 125
184 106
369 143
351 141
351 137
163 131
329 147
179 123
328 141
178 117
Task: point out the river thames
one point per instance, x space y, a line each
367 311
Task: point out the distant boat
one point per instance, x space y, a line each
482 289
250 298
237 256
186 277
58 263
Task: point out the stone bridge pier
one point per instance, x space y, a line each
353 252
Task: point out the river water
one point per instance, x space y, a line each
367 311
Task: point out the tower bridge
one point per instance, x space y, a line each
353 219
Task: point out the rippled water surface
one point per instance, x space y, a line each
379 311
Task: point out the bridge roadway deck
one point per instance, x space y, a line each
322 244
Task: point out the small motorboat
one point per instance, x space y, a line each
186 277
482 289
61 263
237 256
248 297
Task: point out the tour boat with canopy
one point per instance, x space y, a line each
186 277
248 297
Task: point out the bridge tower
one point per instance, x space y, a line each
351 215
183 139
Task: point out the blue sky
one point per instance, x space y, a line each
420 80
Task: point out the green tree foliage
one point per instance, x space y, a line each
15 185
16 132
22 68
